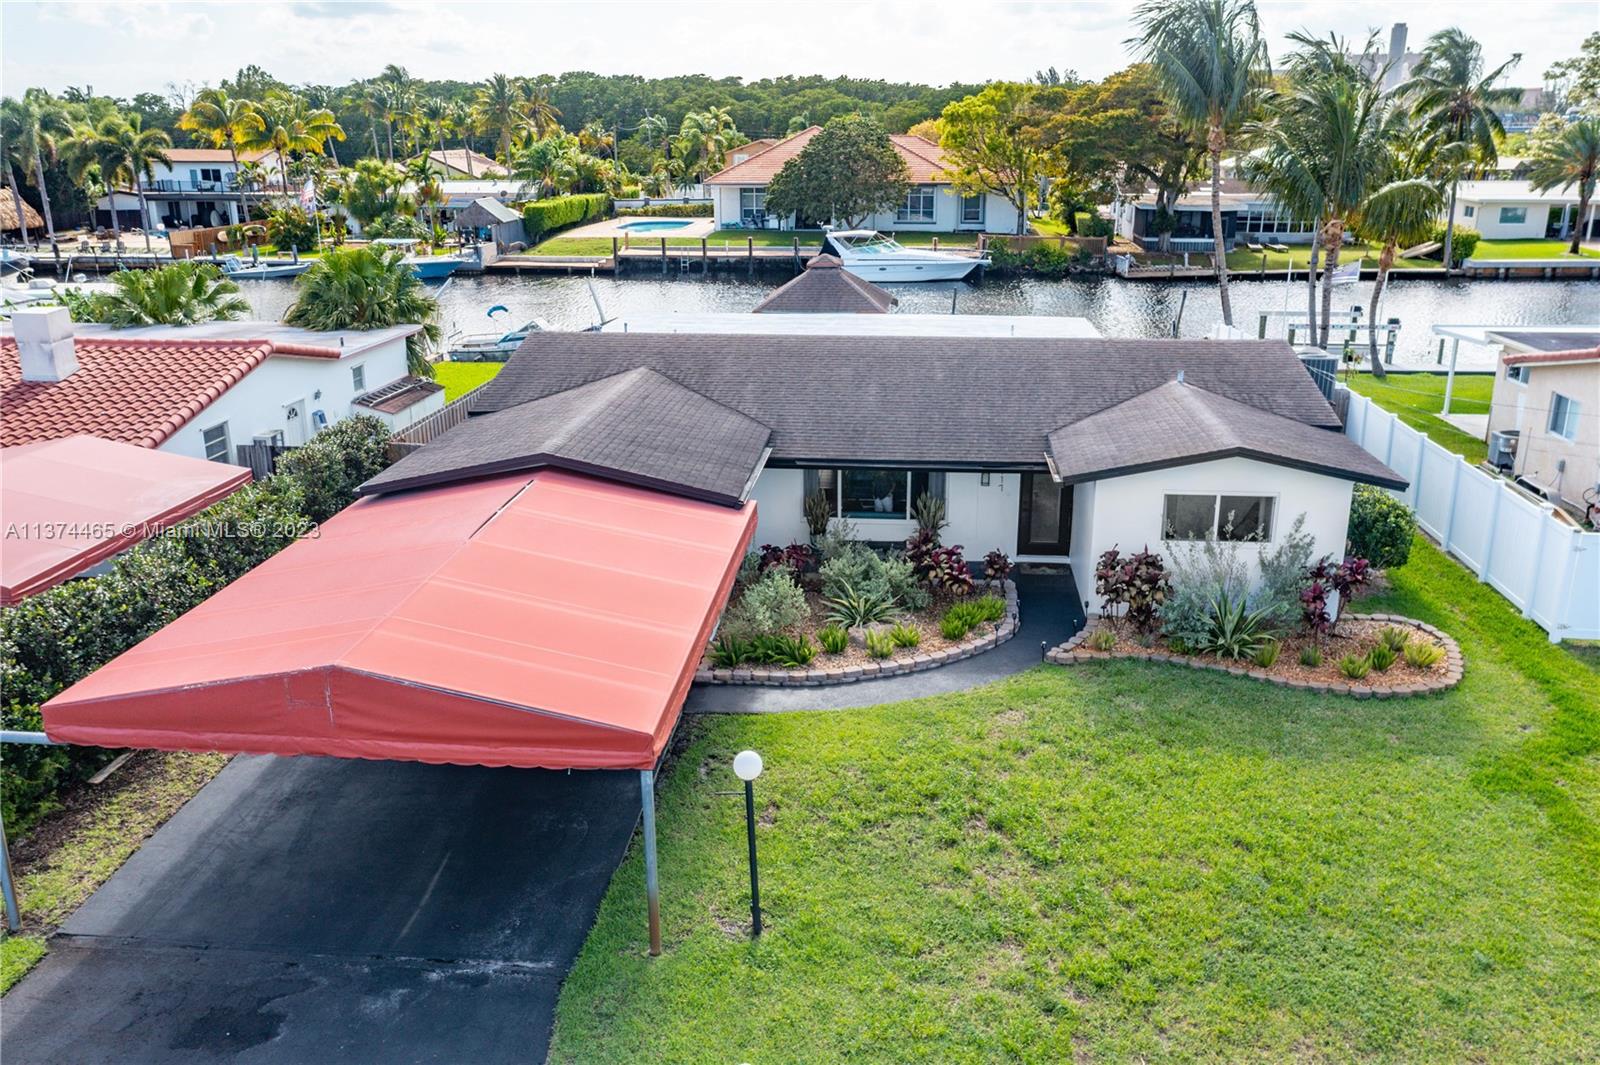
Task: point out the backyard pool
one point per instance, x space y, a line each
650 225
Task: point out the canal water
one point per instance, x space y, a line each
1116 307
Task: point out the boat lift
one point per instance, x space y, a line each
1348 323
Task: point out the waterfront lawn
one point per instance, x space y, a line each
737 239
1529 249
1418 398
1243 261
1133 861
459 378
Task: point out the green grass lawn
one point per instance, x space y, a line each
1528 249
1132 862
1243 260
736 239
459 378
1418 399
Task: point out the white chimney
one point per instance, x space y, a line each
1397 56
44 343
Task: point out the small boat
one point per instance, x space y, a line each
238 270
14 261
871 255
493 346
423 267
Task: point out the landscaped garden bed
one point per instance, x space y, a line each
836 610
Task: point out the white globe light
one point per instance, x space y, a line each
747 765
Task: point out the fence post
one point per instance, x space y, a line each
1545 511
1416 478
1558 615
1450 511
1494 525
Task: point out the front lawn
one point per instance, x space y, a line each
459 378
1418 398
1132 861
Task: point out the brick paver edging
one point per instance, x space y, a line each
817 676
1069 654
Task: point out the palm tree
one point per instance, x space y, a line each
223 121
538 113
1400 212
1571 159
429 192
11 157
367 288
129 152
435 115
461 121
1212 64
498 107
180 294
289 125
1327 146
36 123
1455 103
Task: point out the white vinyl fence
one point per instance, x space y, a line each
1546 567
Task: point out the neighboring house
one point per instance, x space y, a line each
1512 210
739 193
199 390
1547 393
1051 450
749 148
1248 217
199 187
487 218
825 287
458 163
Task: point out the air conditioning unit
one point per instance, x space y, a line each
1503 448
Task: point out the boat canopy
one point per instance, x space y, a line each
549 620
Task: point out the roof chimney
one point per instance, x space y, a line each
44 343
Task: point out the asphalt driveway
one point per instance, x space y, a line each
329 910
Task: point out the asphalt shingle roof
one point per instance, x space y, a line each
825 287
635 426
943 402
1177 423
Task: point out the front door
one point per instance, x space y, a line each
1044 525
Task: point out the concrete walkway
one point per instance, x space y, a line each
1051 610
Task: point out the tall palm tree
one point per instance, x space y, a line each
1570 160
1327 145
1402 211
538 113
1455 104
183 293
435 115
367 288
429 192
12 158
1212 64
40 123
289 125
129 152
461 121
223 121
498 107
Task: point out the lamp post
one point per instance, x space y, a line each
747 766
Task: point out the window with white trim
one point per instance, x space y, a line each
972 210
1563 416
1229 518
752 206
358 378
918 206
215 441
1517 372
1468 211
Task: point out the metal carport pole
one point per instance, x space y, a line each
652 889
9 889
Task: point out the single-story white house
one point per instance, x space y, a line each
1248 216
199 390
1512 210
739 193
1050 449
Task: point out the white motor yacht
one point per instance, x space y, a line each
871 255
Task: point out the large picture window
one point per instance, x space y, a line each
1513 216
918 206
1221 517
752 206
868 494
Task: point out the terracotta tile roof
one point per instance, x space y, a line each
924 159
135 391
456 159
1536 357
211 155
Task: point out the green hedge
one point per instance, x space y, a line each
667 210
544 217
1462 244
51 640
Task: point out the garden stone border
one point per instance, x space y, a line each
1068 654
975 643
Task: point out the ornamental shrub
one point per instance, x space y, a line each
1381 527
292 227
772 605
52 640
1462 245
544 217
834 639
667 210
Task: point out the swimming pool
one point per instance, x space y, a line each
646 225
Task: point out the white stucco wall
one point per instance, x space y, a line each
260 402
999 216
1127 512
1485 218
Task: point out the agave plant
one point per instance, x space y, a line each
1236 630
855 607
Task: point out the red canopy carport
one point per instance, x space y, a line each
538 620
71 503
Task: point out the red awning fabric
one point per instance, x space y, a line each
70 503
551 620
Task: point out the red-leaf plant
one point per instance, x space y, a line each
1345 578
997 566
797 558
948 572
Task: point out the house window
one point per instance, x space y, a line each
1221 517
752 206
918 206
1563 416
1513 216
972 210
1468 211
358 379
1518 373
215 440
873 494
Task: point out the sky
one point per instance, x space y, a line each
122 48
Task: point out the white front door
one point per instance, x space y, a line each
296 423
